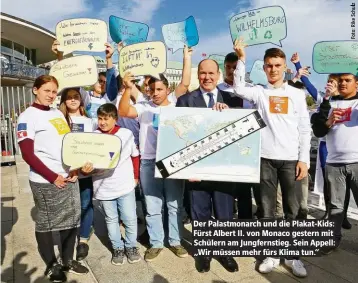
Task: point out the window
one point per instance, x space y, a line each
18 61
27 55
19 51
6 46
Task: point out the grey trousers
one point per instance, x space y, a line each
340 177
302 195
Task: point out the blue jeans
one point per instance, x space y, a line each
155 190
86 193
126 205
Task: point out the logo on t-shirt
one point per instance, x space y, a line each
278 105
21 130
77 127
60 125
155 121
346 115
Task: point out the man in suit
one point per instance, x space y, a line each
205 195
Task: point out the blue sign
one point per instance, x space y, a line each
177 35
127 31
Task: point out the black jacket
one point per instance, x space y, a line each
319 119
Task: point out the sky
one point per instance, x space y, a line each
308 21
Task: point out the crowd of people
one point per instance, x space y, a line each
119 106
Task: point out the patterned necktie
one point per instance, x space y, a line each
211 100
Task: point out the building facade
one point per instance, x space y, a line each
24 48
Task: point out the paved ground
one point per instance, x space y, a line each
21 263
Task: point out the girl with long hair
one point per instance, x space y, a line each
72 107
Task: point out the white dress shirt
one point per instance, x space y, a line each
206 96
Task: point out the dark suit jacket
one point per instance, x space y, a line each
195 99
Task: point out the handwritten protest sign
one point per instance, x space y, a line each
81 35
260 26
335 57
146 58
75 71
257 74
177 35
102 150
219 59
127 31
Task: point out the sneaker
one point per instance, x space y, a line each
118 257
75 267
82 251
298 269
346 224
269 264
151 254
55 273
179 251
133 255
186 221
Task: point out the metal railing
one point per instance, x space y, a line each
13 101
21 71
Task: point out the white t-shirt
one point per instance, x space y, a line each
342 137
46 129
148 114
114 183
229 88
287 135
172 98
82 124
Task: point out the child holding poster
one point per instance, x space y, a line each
114 188
71 106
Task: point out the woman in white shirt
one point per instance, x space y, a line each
72 107
40 132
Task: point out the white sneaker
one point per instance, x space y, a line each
269 264
298 269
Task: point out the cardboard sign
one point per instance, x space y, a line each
81 35
102 150
75 72
127 31
257 74
219 59
146 58
177 35
334 57
264 25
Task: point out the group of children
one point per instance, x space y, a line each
116 106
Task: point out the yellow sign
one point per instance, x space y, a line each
146 58
102 150
81 35
75 71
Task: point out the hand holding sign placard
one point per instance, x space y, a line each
177 35
128 32
101 150
75 71
81 35
146 58
260 26
257 74
335 57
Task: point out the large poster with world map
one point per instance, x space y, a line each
180 128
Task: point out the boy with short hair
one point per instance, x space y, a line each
114 188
